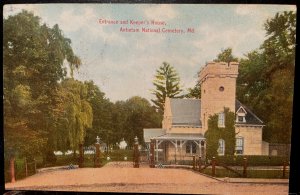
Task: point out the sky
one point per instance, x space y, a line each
123 64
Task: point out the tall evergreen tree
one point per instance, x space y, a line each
167 84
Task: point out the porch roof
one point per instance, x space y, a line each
154 132
173 136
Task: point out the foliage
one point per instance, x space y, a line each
226 56
214 133
252 160
167 84
271 174
77 114
194 92
212 136
122 119
33 57
266 78
102 114
141 115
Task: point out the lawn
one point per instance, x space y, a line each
64 160
267 174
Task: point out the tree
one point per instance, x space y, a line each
140 115
33 56
167 84
226 56
102 114
194 92
266 78
279 47
214 133
78 115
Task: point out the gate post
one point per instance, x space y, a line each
245 167
12 169
213 164
81 156
199 163
26 168
136 153
34 165
152 154
97 162
284 169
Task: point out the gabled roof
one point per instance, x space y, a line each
241 109
185 111
250 117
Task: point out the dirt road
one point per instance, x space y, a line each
120 177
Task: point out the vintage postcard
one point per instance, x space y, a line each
148 98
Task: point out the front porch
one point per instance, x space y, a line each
178 148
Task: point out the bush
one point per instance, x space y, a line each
118 155
50 157
252 160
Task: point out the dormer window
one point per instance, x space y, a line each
241 115
241 119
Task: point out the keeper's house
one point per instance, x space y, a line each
185 120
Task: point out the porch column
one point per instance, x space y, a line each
152 154
175 151
204 155
181 149
156 146
200 148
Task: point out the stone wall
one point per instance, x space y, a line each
167 118
218 89
188 130
252 139
265 148
276 149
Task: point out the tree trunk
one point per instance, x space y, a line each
74 154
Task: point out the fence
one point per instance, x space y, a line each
220 169
22 168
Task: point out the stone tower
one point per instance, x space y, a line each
218 88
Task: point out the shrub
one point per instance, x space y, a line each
252 160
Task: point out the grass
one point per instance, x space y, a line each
266 174
64 160
118 155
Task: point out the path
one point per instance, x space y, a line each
121 177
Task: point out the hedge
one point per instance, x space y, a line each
252 160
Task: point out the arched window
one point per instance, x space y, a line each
221 148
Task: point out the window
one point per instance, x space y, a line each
221 120
221 88
221 149
239 145
241 119
190 148
241 115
